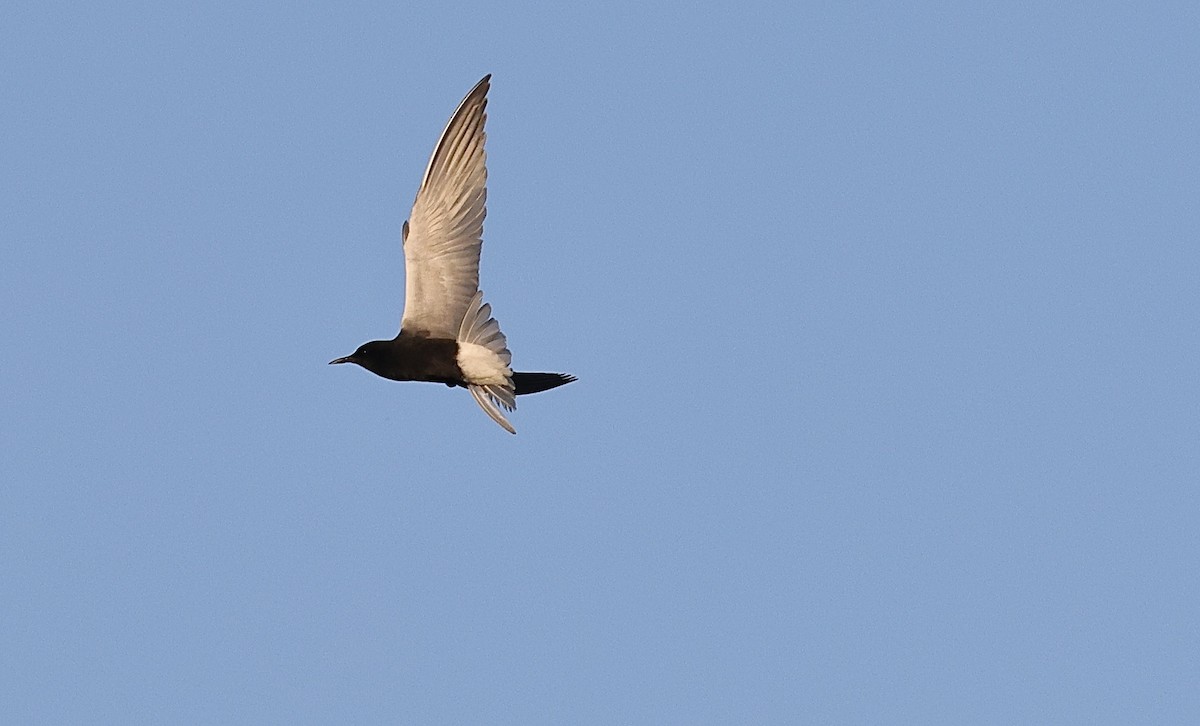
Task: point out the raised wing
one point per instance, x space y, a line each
445 231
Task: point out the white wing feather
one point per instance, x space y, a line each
442 241
443 236
484 359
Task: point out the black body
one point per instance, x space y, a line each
435 360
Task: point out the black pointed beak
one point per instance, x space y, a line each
347 359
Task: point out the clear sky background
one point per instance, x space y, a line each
885 320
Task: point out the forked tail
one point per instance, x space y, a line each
538 382
484 359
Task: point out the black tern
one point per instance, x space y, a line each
447 332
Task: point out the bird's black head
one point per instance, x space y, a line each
369 355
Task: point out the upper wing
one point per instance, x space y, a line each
445 231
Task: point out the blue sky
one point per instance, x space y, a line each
885 319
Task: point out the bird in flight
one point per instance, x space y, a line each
447 333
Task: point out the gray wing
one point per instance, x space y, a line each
445 230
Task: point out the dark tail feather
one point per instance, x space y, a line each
538 382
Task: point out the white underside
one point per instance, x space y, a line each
481 366
484 359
